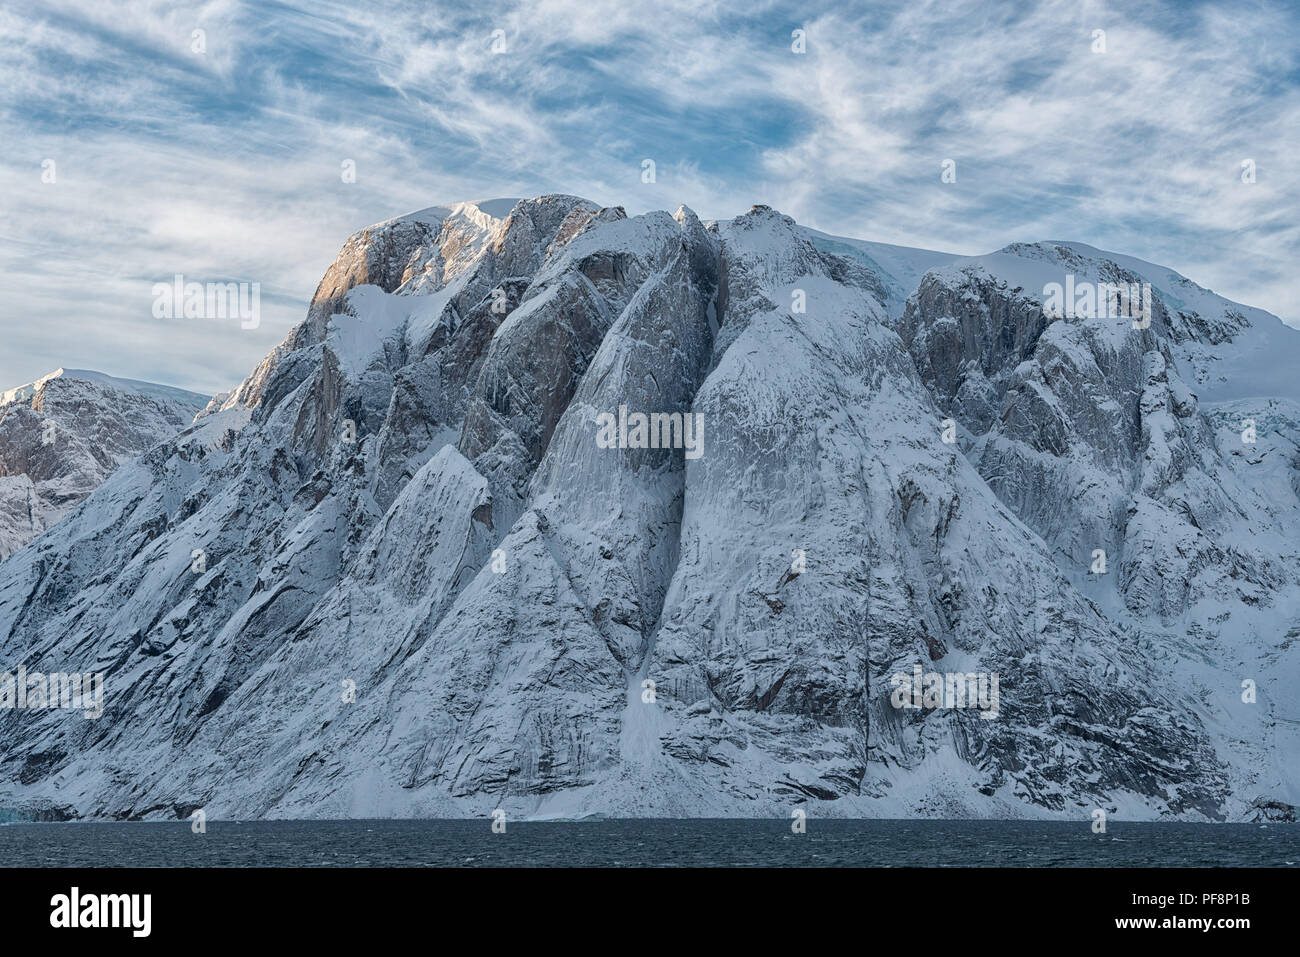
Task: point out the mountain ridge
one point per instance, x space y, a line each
406 495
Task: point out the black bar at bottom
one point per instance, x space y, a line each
909 906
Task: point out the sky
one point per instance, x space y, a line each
135 149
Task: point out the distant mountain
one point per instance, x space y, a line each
62 435
440 572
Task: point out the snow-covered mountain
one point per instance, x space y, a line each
61 436
399 572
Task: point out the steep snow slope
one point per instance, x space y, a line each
898 269
62 434
424 587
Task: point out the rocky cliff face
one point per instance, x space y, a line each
62 435
428 583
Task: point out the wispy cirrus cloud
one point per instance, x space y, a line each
225 163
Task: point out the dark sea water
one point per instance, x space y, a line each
649 843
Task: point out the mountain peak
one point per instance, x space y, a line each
64 433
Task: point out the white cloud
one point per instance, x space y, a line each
226 165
